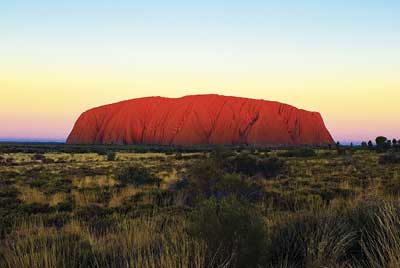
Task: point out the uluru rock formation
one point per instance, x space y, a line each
199 120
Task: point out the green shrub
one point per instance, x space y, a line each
101 151
381 143
299 152
57 184
204 174
65 206
111 156
392 187
36 208
10 161
310 240
390 158
200 180
38 157
232 232
47 161
251 165
97 217
241 187
137 175
220 186
211 178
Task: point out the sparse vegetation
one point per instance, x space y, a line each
251 165
300 152
111 156
137 175
390 158
199 207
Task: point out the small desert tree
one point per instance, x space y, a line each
381 143
364 144
370 144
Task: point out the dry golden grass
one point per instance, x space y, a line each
132 243
150 242
57 198
93 181
345 185
138 241
84 199
34 245
119 196
74 227
133 156
168 178
30 195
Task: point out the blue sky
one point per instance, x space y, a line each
205 25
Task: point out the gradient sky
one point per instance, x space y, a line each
59 58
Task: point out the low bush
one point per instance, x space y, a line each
233 233
241 187
36 208
38 157
219 186
204 174
251 165
178 156
137 175
392 187
111 156
390 158
310 240
65 206
10 161
301 152
47 161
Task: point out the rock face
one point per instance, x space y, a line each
199 120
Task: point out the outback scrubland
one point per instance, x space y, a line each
168 207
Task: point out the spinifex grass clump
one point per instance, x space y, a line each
233 232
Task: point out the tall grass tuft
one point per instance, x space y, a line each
381 245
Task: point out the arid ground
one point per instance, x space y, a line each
150 206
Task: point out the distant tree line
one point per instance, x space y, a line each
382 144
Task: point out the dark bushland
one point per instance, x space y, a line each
208 179
233 232
251 165
390 158
300 152
136 174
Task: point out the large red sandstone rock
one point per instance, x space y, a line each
199 119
